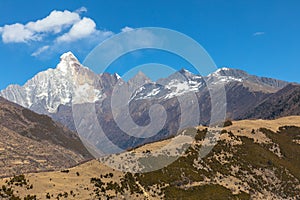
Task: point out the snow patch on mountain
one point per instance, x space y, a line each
223 76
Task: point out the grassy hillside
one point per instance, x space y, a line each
253 159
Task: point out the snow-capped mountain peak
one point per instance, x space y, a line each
117 76
224 69
221 71
68 56
67 62
49 89
225 75
185 71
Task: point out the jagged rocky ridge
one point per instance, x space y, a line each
53 91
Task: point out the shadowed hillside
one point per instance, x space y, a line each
33 142
285 102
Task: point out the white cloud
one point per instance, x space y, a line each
56 32
54 22
126 28
40 50
17 33
258 33
81 10
81 29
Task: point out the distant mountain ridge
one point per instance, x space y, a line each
46 91
283 103
53 91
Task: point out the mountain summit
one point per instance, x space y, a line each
49 89
67 62
68 56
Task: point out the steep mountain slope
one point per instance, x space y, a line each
33 142
46 91
241 99
254 159
285 102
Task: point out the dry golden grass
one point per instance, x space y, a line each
269 124
58 182
246 127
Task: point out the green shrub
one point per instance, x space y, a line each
227 123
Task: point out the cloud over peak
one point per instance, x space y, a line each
49 33
60 31
54 23
66 26
79 30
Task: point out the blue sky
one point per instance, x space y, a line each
260 37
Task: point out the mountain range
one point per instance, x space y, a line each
53 91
